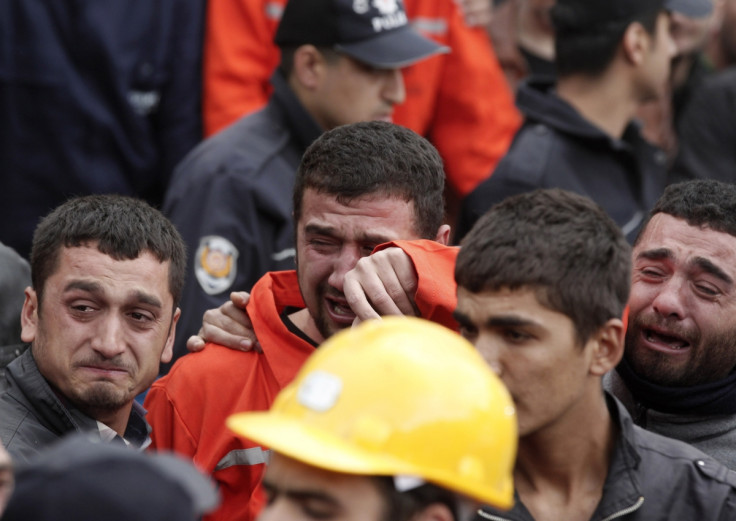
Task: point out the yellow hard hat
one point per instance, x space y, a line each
397 397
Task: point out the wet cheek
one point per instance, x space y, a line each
640 296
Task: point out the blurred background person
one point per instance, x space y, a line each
96 97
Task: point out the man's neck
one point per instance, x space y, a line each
561 469
604 100
304 321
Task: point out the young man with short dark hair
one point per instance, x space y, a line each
546 315
107 272
579 133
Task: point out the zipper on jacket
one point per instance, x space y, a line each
626 511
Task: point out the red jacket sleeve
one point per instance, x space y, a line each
434 263
460 101
239 58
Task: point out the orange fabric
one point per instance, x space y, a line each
187 408
459 101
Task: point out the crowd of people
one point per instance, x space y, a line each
442 260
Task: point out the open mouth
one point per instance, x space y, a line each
662 339
340 311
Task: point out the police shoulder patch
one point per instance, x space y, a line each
215 264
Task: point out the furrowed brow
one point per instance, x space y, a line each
709 267
656 254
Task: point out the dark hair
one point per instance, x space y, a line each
582 48
403 506
122 227
560 244
704 203
380 158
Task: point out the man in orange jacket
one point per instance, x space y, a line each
348 198
459 101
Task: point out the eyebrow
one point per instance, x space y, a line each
709 267
301 495
96 288
656 254
701 262
316 229
497 321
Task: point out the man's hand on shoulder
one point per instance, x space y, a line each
228 325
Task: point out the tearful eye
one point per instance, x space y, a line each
707 290
515 336
468 332
649 272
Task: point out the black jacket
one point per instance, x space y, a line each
557 148
707 131
652 478
95 97
33 416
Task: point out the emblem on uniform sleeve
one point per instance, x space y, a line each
215 264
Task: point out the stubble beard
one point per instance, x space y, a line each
708 360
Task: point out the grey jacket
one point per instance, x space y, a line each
713 434
32 415
653 478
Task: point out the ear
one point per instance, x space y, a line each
168 352
635 43
309 67
443 234
608 347
434 512
29 316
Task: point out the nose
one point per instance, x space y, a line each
109 338
393 90
344 262
669 301
490 350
